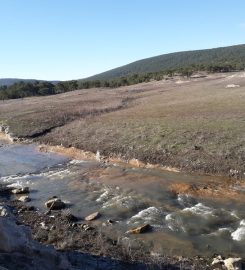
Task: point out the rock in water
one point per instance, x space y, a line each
55 204
141 229
92 216
23 190
4 211
24 198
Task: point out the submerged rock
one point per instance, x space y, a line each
141 229
55 204
93 216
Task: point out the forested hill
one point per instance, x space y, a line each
233 56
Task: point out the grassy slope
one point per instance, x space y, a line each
223 55
161 123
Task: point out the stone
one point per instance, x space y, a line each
22 190
86 227
197 147
93 216
232 85
233 263
4 212
17 241
44 226
97 156
55 204
69 216
24 198
228 264
140 229
109 222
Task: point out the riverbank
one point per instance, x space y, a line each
56 227
194 125
225 190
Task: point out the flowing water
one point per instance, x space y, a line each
181 224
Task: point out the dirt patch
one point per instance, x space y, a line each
223 191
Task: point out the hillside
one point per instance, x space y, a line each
232 55
191 124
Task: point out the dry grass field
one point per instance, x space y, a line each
192 124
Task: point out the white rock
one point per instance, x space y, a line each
4 212
229 264
233 263
23 190
92 216
97 157
44 226
232 85
24 198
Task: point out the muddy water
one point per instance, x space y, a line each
181 224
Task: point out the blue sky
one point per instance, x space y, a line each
71 39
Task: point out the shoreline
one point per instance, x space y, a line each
80 154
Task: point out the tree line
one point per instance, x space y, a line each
39 88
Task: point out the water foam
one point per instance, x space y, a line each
56 173
186 200
77 161
239 233
151 215
200 220
199 209
121 201
174 222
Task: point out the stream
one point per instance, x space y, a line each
182 225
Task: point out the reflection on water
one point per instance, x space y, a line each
181 224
